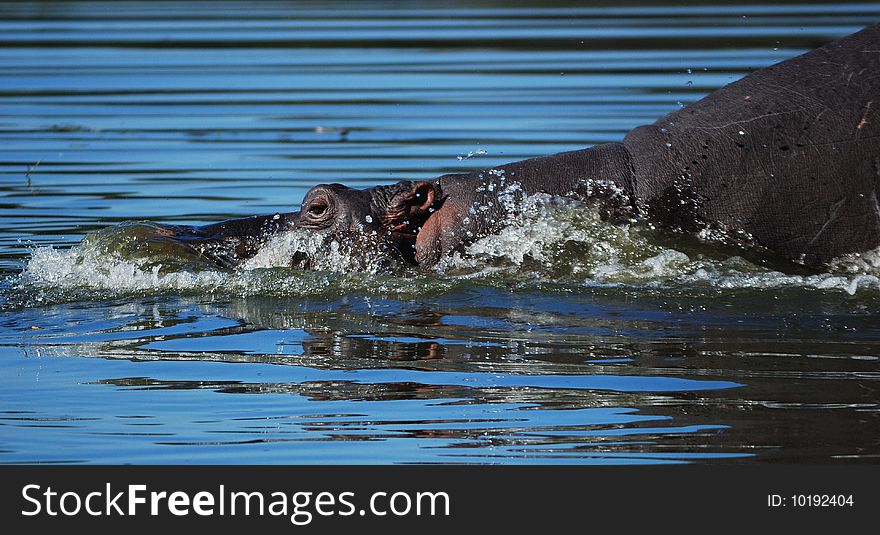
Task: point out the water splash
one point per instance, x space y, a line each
551 240
564 241
471 154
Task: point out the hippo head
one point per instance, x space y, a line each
393 214
382 219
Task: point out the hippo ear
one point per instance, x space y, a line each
409 207
421 197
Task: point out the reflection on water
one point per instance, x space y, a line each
494 378
564 340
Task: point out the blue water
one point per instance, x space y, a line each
580 343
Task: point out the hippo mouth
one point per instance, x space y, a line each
403 237
409 227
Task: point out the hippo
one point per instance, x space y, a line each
391 214
786 158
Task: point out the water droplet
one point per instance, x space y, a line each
369 219
741 133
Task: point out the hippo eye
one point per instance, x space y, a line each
317 209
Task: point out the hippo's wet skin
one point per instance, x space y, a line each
788 156
228 243
390 213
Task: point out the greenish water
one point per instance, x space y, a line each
562 339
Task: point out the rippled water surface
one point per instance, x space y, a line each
563 339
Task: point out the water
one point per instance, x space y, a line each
561 340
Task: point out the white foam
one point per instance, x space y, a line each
562 240
82 267
280 249
549 240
